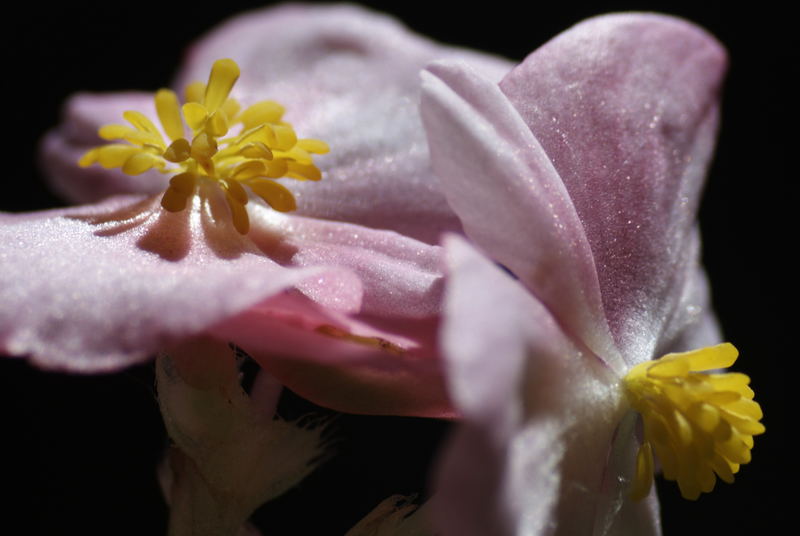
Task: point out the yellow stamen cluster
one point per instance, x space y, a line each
698 423
263 148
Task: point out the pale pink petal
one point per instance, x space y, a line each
540 414
626 108
401 277
511 200
62 147
87 296
98 287
355 365
350 77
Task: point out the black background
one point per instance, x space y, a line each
79 453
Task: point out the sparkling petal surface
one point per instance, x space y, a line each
117 281
511 200
626 108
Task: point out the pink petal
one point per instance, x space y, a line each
511 200
540 415
84 114
355 365
98 287
350 77
626 108
88 297
401 277
692 323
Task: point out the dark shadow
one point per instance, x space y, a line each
273 244
169 236
124 219
218 230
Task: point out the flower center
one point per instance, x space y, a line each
262 149
698 423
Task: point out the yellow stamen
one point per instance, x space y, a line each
261 148
169 113
194 92
224 74
275 194
698 423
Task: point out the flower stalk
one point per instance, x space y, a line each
230 453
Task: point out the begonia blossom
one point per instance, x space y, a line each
580 174
332 299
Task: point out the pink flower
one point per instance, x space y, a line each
330 299
580 174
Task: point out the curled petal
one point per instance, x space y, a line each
511 200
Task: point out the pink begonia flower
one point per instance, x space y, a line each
580 173
332 300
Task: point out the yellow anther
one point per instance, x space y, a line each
275 194
261 147
139 163
260 113
169 113
217 124
313 146
698 423
256 150
241 220
224 74
643 479
181 188
109 156
195 115
303 172
194 92
142 123
178 151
